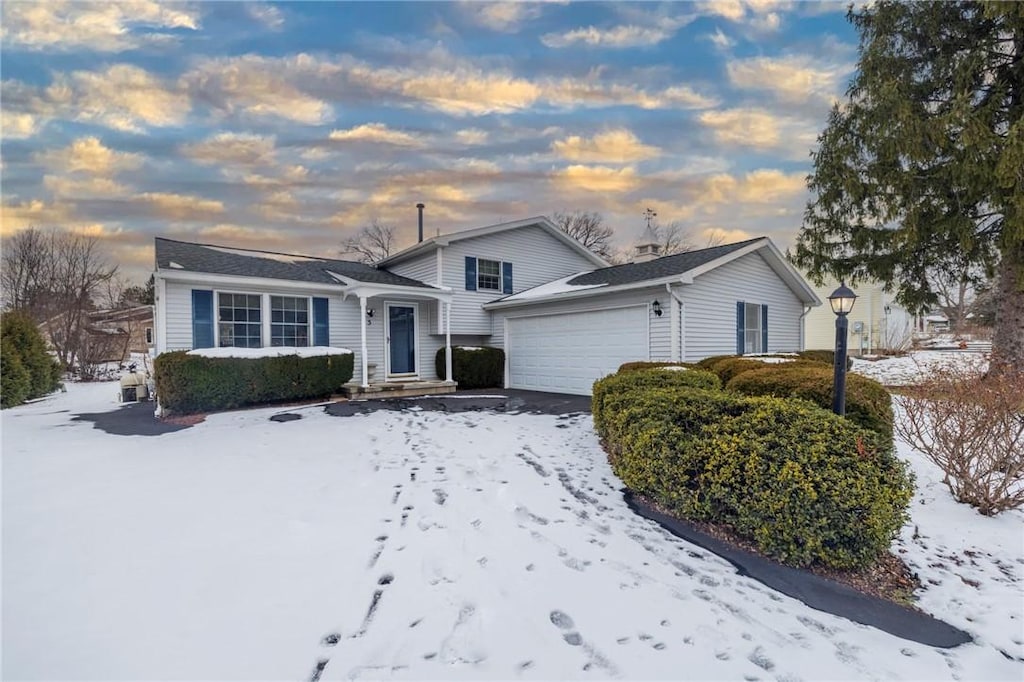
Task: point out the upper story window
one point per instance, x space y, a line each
488 275
289 321
752 329
239 320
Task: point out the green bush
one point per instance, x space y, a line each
826 356
803 484
15 380
192 383
636 382
474 367
24 346
711 360
727 368
651 364
867 402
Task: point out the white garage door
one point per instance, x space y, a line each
566 353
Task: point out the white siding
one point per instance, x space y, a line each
422 268
178 305
710 308
660 327
536 257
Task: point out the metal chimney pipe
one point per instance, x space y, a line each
421 206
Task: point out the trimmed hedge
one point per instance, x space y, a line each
628 383
803 484
474 368
192 383
727 368
826 356
650 364
867 402
27 370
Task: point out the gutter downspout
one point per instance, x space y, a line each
677 328
807 310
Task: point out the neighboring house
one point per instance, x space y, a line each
876 323
107 335
564 317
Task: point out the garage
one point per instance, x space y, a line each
566 353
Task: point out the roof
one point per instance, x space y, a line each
667 269
172 255
659 268
543 222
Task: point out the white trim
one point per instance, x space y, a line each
160 318
211 280
448 376
501 276
216 313
504 333
388 376
362 343
588 309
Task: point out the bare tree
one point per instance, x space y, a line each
53 276
374 242
587 228
955 291
673 238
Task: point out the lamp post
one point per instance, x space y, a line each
841 300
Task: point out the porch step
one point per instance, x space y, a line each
397 390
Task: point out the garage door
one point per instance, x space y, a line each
567 353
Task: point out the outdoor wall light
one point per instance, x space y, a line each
841 300
656 307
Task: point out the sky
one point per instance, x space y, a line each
289 126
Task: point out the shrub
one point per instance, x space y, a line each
192 383
15 380
474 367
709 362
635 383
867 402
826 356
971 427
727 368
651 364
803 484
25 345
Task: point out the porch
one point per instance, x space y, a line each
395 389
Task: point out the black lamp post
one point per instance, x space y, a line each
841 300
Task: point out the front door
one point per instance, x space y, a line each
401 339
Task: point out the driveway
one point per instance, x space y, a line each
411 544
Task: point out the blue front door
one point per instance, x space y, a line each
402 339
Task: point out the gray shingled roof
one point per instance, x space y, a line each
223 260
666 266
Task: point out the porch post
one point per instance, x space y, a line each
362 339
448 341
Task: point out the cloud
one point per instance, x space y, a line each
88 155
179 206
76 187
792 78
505 17
472 136
612 146
266 14
261 87
761 15
575 93
720 40
236 149
761 129
596 178
378 133
69 25
617 37
763 186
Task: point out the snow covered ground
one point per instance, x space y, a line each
907 369
423 545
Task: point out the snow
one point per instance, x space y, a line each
494 546
559 286
291 259
469 347
911 368
674 368
272 352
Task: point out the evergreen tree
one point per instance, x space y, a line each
921 168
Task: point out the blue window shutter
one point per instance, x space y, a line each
740 327
506 278
202 318
764 329
470 273
321 326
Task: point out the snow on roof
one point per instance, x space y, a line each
267 255
559 286
275 352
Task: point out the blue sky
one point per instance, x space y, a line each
289 126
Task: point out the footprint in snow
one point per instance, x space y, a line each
564 622
440 496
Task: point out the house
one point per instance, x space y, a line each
109 335
877 322
563 315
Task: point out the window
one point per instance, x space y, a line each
149 336
752 328
289 321
488 275
238 318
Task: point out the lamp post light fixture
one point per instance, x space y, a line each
841 300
